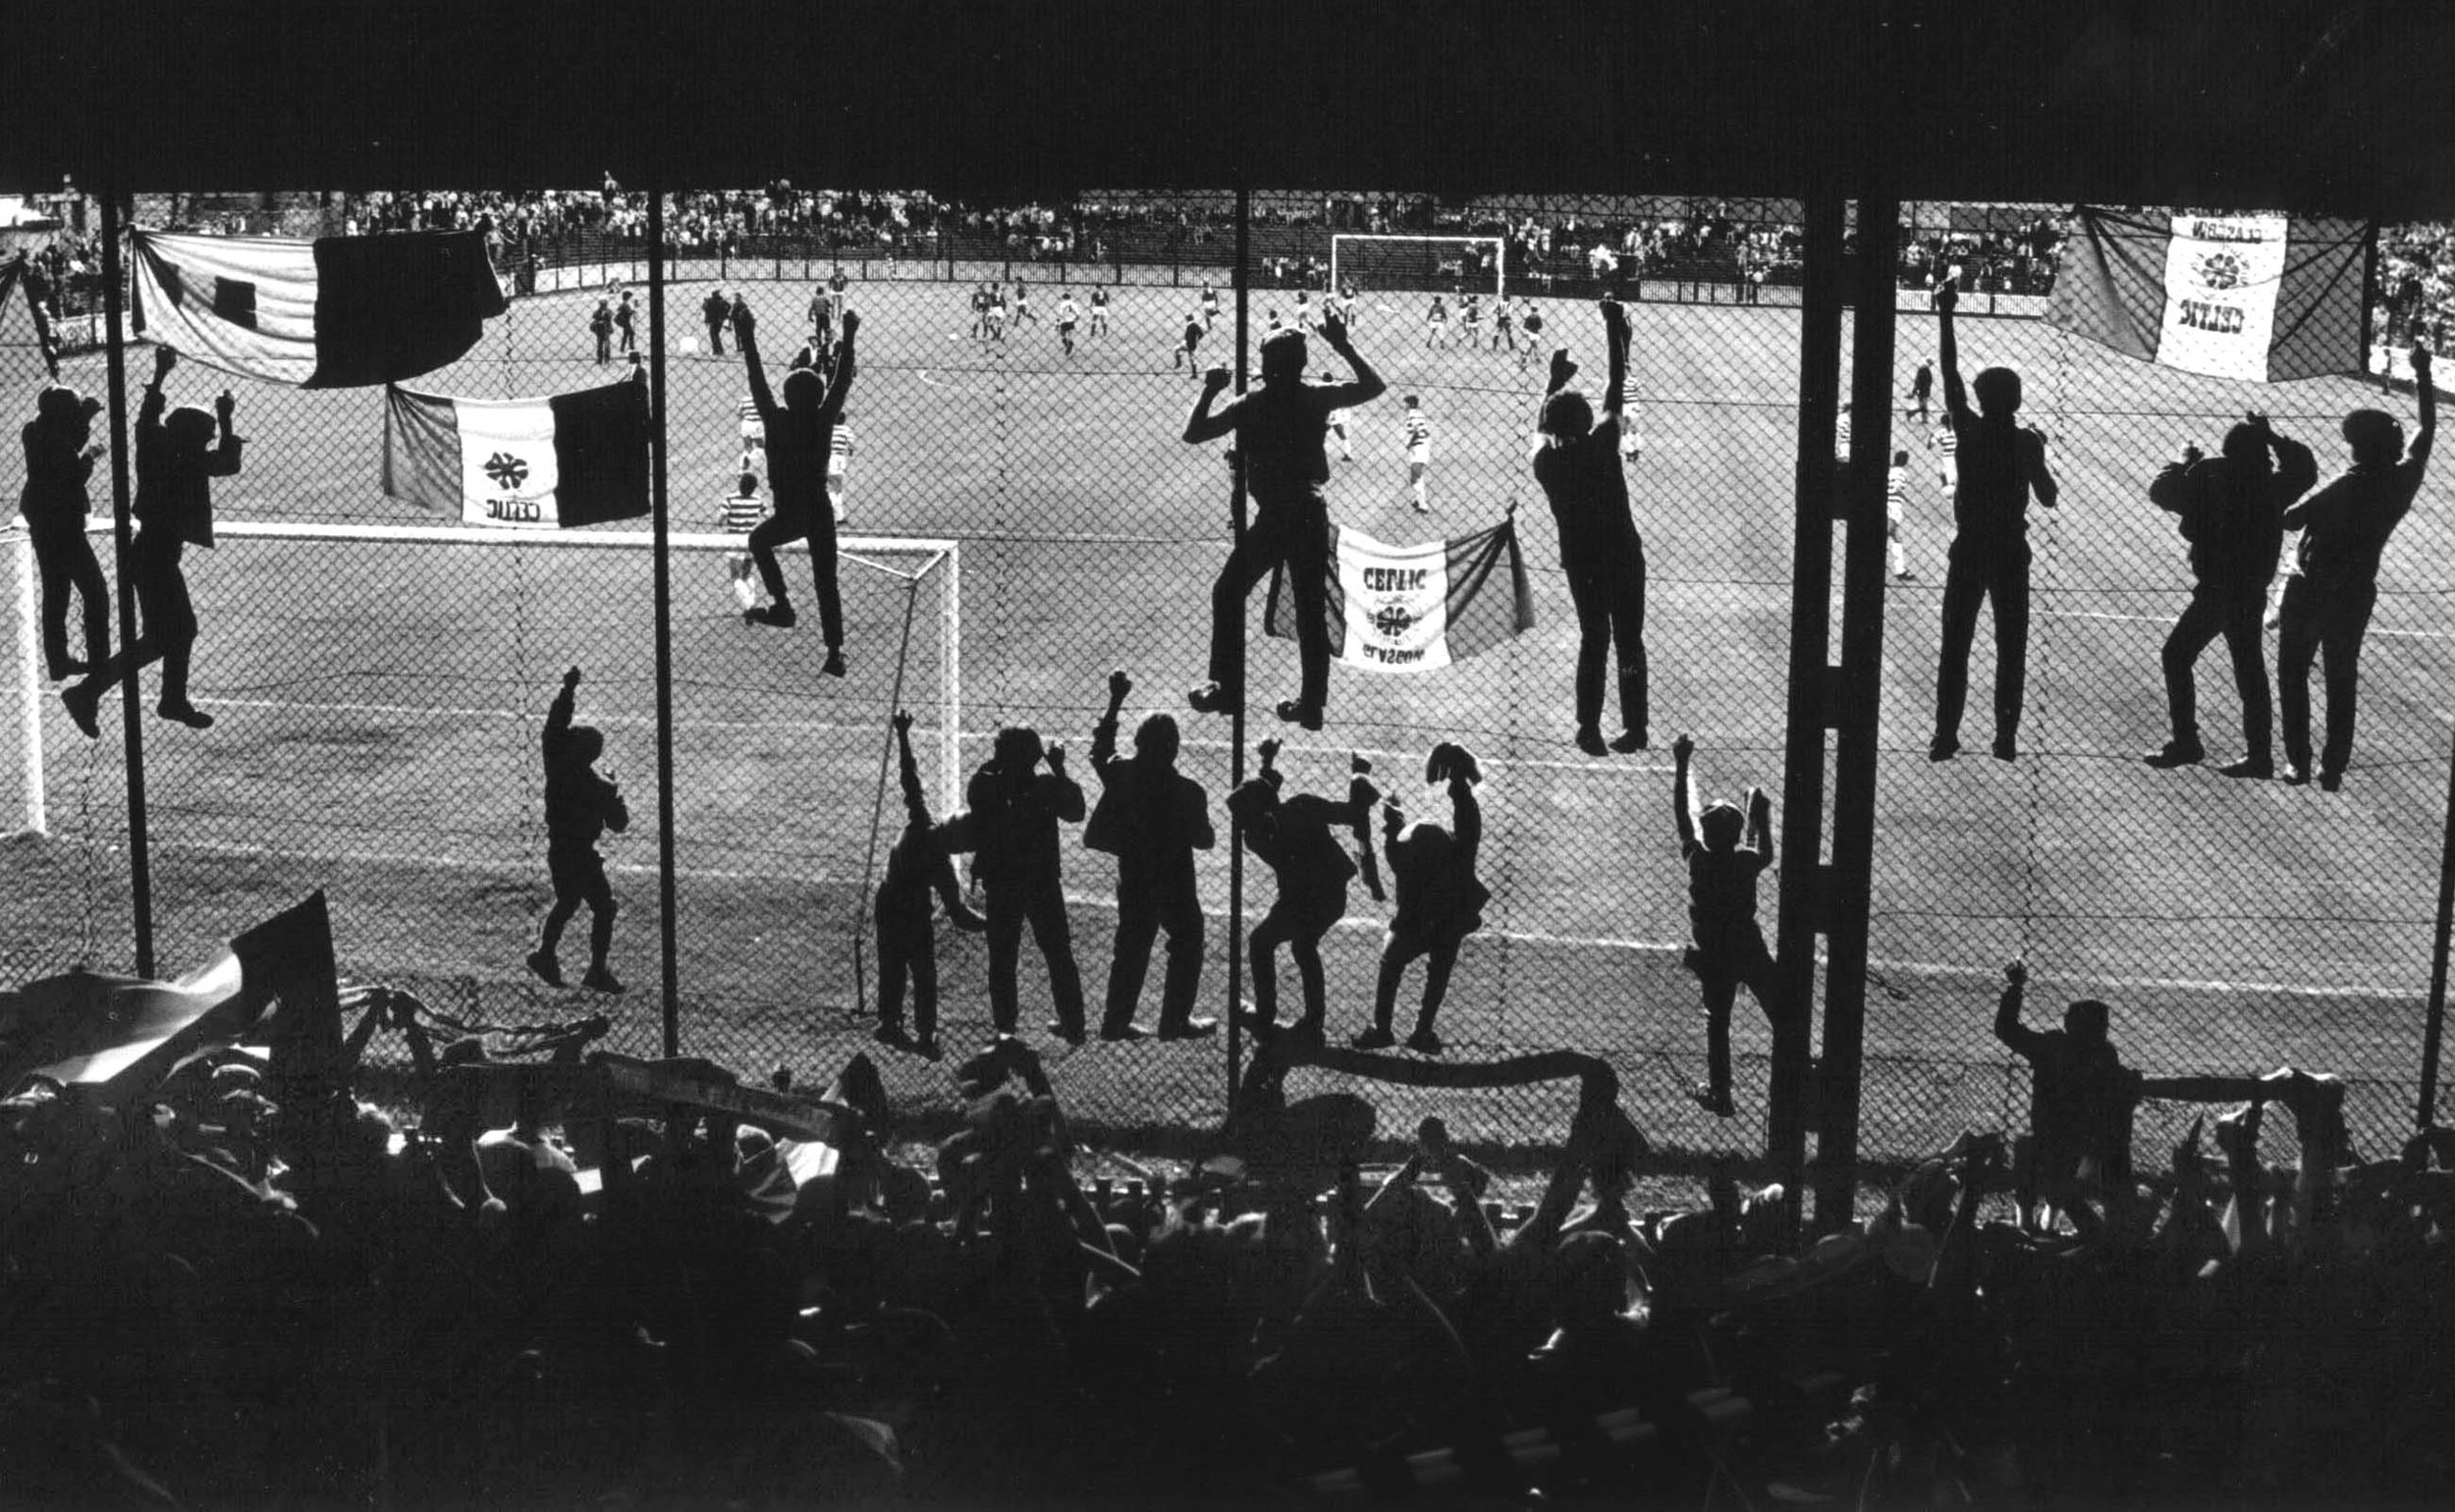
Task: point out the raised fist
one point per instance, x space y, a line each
1614 315
164 360
745 324
1684 747
2191 455
1215 379
1333 328
1118 685
2256 421
1270 749
1564 367
224 407
1948 297
851 325
571 679
1056 758
2015 972
902 722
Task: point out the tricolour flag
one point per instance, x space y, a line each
2262 298
525 463
1397 609
336 312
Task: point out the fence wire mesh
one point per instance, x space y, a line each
378 701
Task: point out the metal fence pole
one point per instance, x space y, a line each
132 725
1849 882
1803 899
2433 1031
1236 733
669 964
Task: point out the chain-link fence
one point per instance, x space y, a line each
378 700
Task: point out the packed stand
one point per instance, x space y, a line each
241 1282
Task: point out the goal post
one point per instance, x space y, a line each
1380 260
918 561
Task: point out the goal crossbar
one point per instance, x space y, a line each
1339 240
939 554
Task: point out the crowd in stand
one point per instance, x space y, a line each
242 1285
2416 286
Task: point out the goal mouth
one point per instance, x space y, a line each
1419 264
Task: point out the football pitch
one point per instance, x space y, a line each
378 708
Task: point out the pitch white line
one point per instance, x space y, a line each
1351 925
2090 614
641 721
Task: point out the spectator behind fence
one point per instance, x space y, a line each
1579 468
60 454
1016 810
1440 899
1280 434
1999 464
178 456
581 805
2231 509
2334 586
1152 818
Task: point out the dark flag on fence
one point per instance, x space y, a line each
336 312
1397 609
2262 297
524 463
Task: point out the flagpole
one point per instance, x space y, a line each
132 724
669 966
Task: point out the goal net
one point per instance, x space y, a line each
378 693
1418 265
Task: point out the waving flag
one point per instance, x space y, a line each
2262 298
1399 609
336 312
522 464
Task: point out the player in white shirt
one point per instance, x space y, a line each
1470 322
839 452
1337 423
1304 312
996 312
1067 315
1099 312
1503 326
1437 323
1945 443
1210 305
1418 453
1895 499
1022 305
739 514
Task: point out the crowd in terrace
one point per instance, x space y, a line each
241 1283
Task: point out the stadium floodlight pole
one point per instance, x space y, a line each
132 723
1802 918
2433 1028
669 965
1236 715
1848 882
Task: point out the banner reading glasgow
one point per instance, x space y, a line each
2256 296
1398 608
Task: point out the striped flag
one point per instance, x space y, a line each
2260 298
336 312
522 464
1403 609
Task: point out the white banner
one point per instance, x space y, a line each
507 466
1396 604
2221 277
